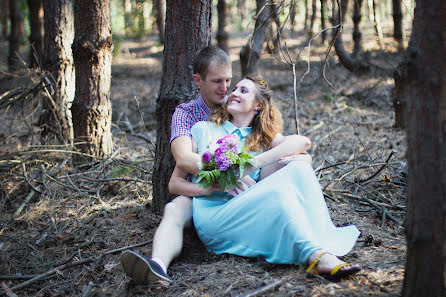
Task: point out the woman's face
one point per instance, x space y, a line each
242 99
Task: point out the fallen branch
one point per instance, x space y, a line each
80 262
386 163
265 289
375 205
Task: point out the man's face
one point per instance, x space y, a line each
213 89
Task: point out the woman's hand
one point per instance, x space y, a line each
245 183
305 157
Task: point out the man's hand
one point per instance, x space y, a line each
245 183
305 157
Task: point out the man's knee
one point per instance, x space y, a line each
178 211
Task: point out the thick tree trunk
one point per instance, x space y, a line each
37 31
357 35
323 26
188 29
250 53
312 18
92 52
307 15
13 57
293 12
58 62
352 64
425 273
159 7
128 22
4 14
399 100
222 31
377 25
398 24
274 30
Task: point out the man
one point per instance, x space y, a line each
212 74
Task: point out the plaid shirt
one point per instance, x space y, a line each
186 115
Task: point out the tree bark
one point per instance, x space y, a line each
357 35
159 7
425 273
377 25
349 62
37 32
13 57
323 26
58 62
293 13
307 15
250 53
188 29
312 18
398 24
222 31
128 23
92 52
5 17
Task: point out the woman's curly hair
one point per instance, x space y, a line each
266 123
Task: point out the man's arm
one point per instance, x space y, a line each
179 185
184 155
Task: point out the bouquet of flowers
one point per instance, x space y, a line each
223 163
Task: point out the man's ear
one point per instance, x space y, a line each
197 79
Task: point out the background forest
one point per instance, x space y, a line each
72 198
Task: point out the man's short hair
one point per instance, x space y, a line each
208 55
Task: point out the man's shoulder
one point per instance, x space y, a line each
188 106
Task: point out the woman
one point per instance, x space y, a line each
283 217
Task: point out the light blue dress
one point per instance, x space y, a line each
283 218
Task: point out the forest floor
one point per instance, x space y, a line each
78 220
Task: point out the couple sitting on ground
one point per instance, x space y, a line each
279 215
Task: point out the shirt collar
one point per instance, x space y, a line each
231 129
203 105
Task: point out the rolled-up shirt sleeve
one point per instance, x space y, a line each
182 123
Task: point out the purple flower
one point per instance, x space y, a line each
224 147
222 162
218 152
207 157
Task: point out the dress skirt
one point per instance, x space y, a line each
283 219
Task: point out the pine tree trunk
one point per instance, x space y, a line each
349 62
293 12
312 18
4 15
377 25
159 7
307 15
13 57
188 29
58 61
250 53
128 23
323 26
37 31
357 35
92 52
222 31
425 273
398 24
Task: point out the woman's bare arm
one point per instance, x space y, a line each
282 146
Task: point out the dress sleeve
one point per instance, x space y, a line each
199 133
